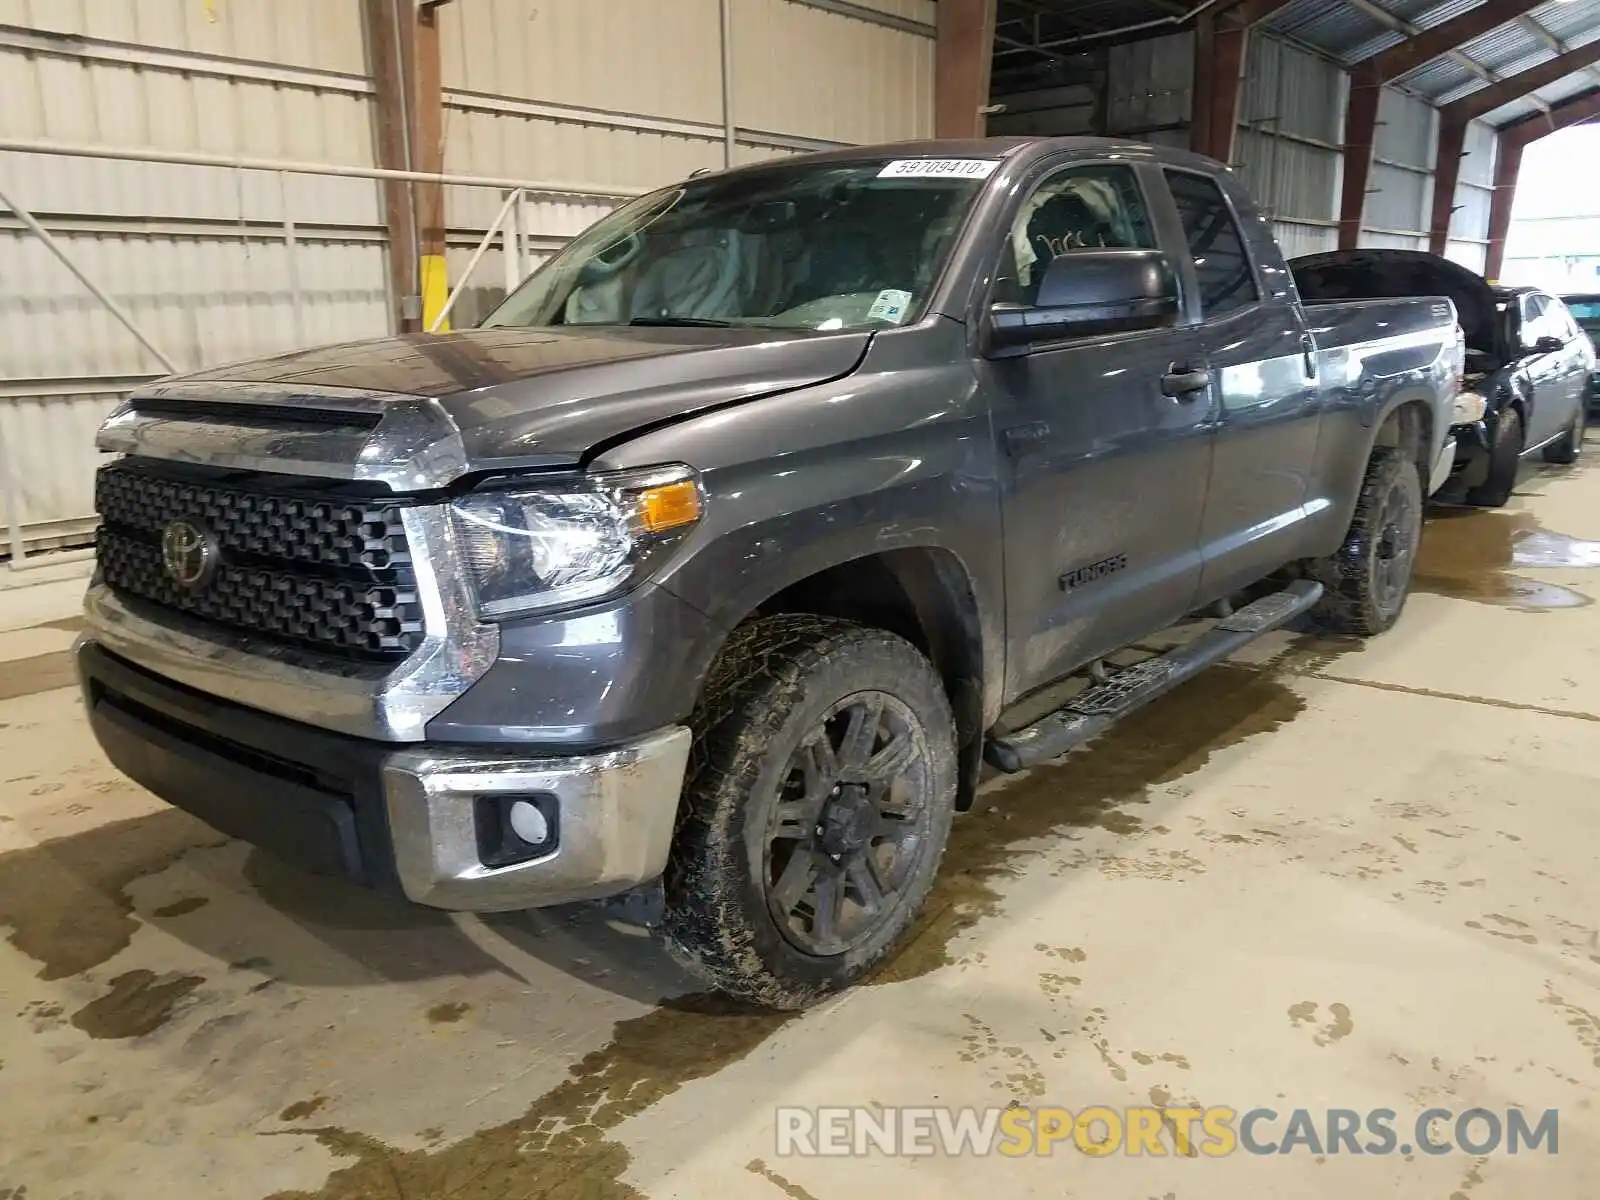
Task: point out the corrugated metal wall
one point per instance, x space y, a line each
1400 192
1469 224
1150 90
601 93
629 93
1287 148
195 254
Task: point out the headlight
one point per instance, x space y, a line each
1470 407
537 546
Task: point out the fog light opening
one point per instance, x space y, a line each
515 829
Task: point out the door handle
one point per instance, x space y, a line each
1019 438
1308 350
1181 383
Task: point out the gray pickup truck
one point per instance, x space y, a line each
707 573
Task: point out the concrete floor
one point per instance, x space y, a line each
1326 876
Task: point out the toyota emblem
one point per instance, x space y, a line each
189 556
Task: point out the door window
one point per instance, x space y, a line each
1081 208
1535 325
1221 263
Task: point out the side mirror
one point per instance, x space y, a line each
1089 292
1548 344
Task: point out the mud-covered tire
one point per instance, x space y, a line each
1367 579
1505 458
765 708
1565 450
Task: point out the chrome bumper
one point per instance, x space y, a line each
616 813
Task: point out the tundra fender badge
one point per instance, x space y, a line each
1095 571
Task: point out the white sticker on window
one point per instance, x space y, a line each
890 306
940 168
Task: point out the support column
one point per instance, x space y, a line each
433 275
1446 175
962 61
386 26
1507 167
1360 132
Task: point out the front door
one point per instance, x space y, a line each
1107 472
1547 371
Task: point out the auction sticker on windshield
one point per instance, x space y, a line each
939 168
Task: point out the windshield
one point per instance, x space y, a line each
1585 312
820 247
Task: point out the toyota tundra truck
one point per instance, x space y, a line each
704 576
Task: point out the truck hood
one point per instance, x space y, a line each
525 398
1392 274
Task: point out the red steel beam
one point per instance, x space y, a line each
1366 83
1221 50
1508 165
963 54
1454 118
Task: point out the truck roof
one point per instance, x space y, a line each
1000 147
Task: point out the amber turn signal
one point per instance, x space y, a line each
668 506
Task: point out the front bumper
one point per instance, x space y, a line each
402 819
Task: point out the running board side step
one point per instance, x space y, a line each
1095 709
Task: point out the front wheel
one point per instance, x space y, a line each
1367 579
817 808
1565 449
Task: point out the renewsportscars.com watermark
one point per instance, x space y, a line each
1160 1132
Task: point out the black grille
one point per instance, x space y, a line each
329 572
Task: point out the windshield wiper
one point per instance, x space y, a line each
690 322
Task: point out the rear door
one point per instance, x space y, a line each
1263 365
1107 474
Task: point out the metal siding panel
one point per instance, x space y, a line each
324 34
1477 165
514 146
1151 84
925 11
1472 255
661 57
1288 178
1400 200
1389 241
1296 239
1405 129
202 300
48 443
1288 90
863 83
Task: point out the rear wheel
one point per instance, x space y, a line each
1505 457
1367 579
817 809
1566 448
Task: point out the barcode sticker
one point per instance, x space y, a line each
939 168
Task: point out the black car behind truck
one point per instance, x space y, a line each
1528 365
708 571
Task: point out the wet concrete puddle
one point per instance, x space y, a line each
1474 554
